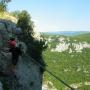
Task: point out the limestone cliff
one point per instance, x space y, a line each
29 76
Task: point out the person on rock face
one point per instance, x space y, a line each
16 52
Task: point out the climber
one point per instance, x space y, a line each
16 52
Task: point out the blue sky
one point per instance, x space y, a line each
56 15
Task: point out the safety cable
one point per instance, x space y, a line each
60 80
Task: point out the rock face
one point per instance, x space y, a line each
28 72
1 86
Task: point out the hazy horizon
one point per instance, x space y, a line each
66 33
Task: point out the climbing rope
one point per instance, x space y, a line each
60 80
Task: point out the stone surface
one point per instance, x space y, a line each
1 88
28 72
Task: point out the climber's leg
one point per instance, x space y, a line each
11 82
13 66
13 69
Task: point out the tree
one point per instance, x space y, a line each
6 1
35 46
3 5
26 24
23 20
15 13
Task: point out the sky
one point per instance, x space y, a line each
56 15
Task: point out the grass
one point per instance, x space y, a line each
86 87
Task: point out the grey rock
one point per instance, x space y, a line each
28 75
1 87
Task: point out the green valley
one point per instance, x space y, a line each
68 58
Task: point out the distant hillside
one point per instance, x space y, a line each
7 16
83 37
66 33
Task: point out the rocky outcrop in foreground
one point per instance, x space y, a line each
28 75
